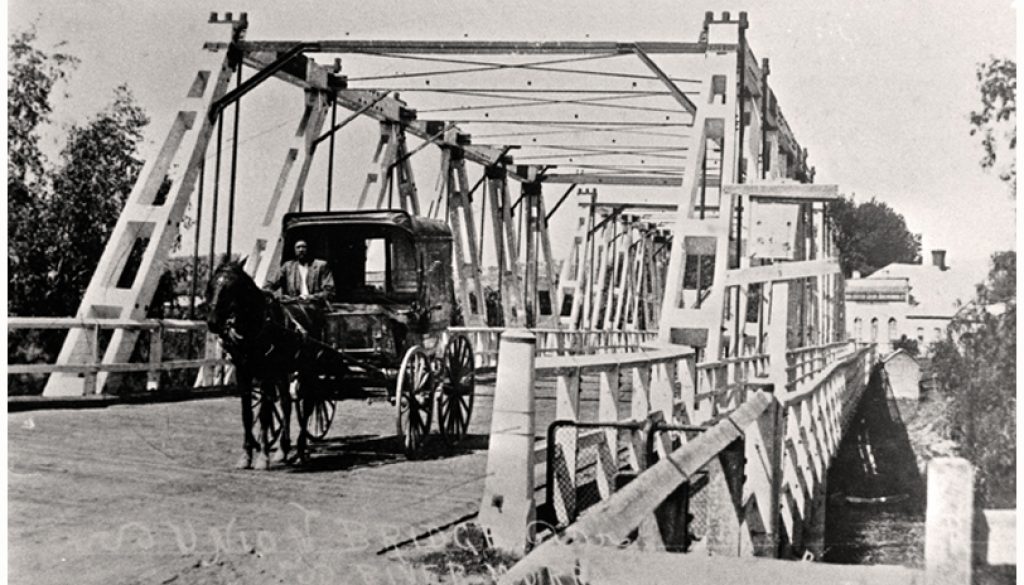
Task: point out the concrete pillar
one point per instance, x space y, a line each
948 530
508 510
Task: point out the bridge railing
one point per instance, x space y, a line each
814 415
757 450
804 363
556 341
154 365
666 388
960 540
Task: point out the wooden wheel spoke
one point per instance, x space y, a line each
455 403
415 395
323 409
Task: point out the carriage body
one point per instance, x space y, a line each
393 304
393 282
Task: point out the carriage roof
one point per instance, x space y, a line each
420 228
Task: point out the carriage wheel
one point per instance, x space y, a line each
323 406
455 400
259 399
415 399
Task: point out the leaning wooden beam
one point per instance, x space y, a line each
463 224
134 258
611 521
291 182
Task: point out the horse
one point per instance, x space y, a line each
251 324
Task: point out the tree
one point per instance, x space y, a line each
908 345
32 76
977 371
871 235
997 119
1001 285
98 168
59 232
60 214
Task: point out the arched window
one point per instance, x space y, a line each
874 329
920 335
892 328
858 329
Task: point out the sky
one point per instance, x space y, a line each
879 92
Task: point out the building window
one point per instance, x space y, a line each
874 329
920 335
892 328
938 334
858 329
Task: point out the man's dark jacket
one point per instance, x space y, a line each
319 280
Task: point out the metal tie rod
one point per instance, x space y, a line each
349 119
259 77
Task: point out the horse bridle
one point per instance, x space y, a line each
231 332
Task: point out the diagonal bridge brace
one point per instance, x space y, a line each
677 93
235 55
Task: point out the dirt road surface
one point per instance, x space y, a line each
147 494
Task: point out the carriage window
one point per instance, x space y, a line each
368 268
437 278
376 265
403 267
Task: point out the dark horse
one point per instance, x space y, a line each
252 327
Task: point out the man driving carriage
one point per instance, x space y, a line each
306 285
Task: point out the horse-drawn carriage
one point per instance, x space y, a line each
387 326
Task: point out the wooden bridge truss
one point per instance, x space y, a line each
694 115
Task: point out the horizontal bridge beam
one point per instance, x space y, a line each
785 192
489 47
780 272
595 179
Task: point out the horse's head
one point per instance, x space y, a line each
235 309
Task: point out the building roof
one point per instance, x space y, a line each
935 292
879 284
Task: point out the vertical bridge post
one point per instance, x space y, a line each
507 510
948 530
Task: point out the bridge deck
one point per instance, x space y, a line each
143 493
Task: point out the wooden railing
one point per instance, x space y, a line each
960 539
556 341
668 387
154 365
779 441
804 363
485 344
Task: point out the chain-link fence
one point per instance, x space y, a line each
588 462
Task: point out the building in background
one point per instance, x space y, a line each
913 300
